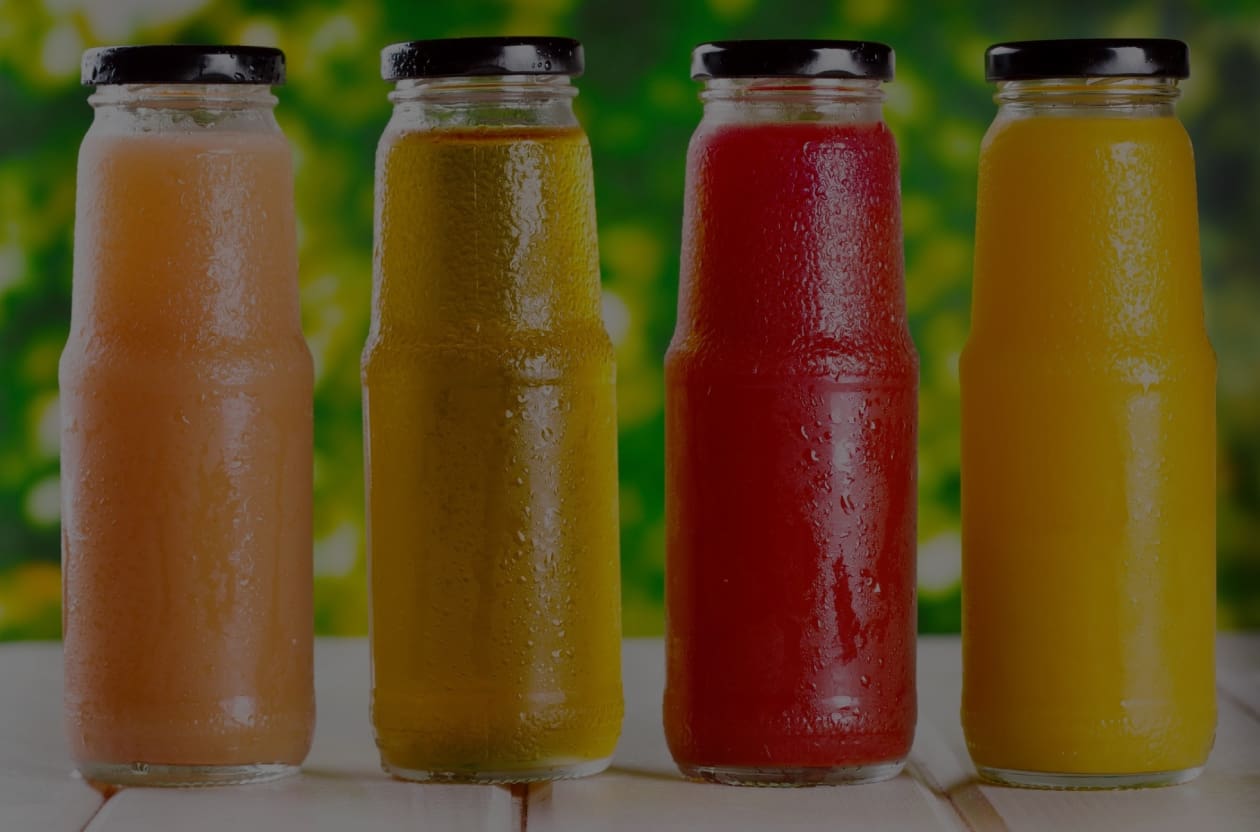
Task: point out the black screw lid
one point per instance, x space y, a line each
180 64
447 57
792 59
1087 58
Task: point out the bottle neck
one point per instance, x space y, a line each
1124 96
241 107
477 101
750 100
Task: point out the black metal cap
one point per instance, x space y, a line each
1087 58
792 59
181 64
447 57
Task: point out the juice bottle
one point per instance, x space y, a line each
186 411
791 418
490 424
1088 444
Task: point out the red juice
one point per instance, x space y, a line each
790 451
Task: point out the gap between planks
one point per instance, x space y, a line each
520 801
105 794
947 797
1243 705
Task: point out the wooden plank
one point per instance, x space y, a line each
37 787
32 735
940 753
311 803
344 744
1225 797
1216 801
341 788
47 804
1238 669
618 801
344 789
644 790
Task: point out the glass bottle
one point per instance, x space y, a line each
186 412
791 416
490 424
1088 428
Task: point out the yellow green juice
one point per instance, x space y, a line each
490 433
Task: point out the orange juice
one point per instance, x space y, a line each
1088 454
186 392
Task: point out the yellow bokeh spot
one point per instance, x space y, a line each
632 508
41 359
337 553
616 316
959 144
43 502
536 17
12 266
631 253
731 9
867 12
28 592
641 617
918 214
903 97
542 6
943 258
639 397
968 54
61 52
339 33
937 266
45 425
258 32
671 93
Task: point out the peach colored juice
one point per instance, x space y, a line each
186 394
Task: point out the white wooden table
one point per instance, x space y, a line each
343 790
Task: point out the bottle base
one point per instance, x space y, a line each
789 777
1054 780
170 776
541 774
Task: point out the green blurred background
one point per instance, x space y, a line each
639 107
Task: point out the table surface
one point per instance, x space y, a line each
342 787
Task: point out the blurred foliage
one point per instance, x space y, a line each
640 108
